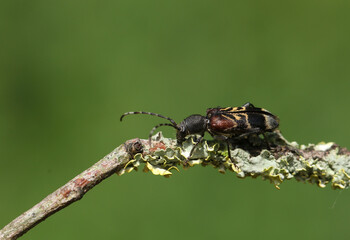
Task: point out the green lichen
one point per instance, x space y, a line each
321 164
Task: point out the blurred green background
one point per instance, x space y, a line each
69 69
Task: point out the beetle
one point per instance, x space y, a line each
221 123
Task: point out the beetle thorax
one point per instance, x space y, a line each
194 124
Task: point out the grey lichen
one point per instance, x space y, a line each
321 163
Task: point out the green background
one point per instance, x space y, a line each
69 69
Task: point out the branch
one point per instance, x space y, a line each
72 191
321 164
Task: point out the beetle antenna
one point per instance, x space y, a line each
153 114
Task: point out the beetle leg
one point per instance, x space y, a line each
192 150
229 153
198 141
266 141
256 131
250 131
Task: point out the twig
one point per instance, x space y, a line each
72 191
320 164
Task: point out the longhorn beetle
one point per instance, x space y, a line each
222 123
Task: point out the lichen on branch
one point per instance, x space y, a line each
273 158
320 163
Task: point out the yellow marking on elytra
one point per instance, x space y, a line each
248 123
240 116
267 122
235 109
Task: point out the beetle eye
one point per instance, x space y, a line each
182 129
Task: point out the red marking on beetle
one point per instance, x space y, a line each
81 182
219 123
156 146
65 192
